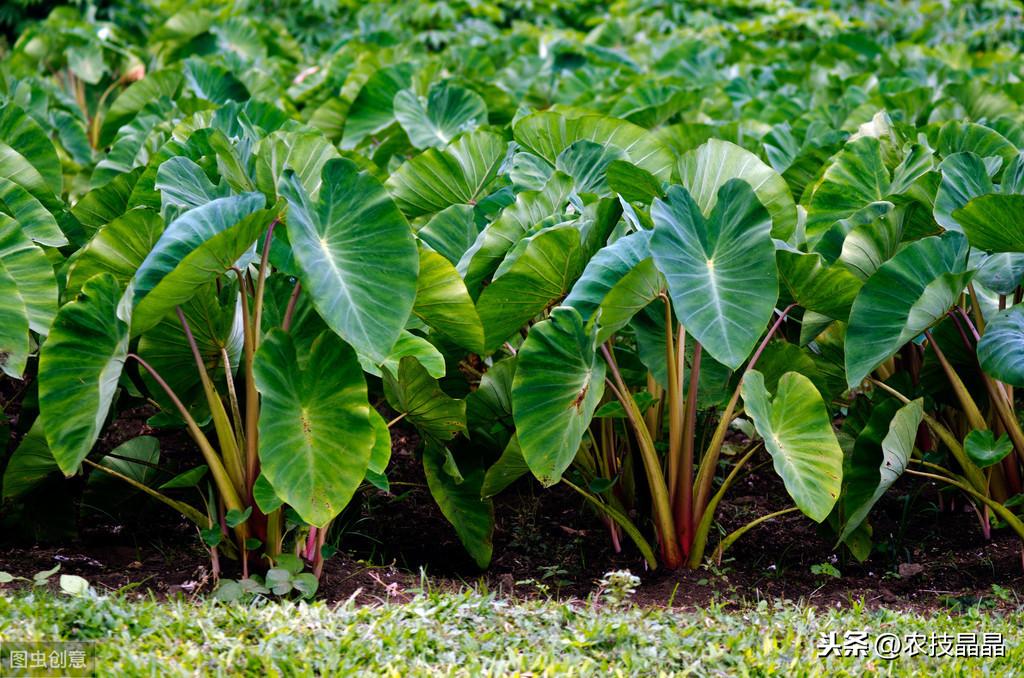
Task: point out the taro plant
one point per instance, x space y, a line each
936 318
285 393
695 297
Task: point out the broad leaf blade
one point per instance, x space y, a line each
705 170
193 250
558 383
315 431
79 368
357 256
797 432
874 479
721 271
1001 349
904 297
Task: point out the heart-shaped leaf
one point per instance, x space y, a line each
118 248
985 450
37 222
447 111
817 286
797 432
356 254
435 179
994 222
721 270
414 393
876 464
315 431
27 155
32 273
193 250
30 463
544 273
461 504
964 177
443 302
856 177
494 242
549 133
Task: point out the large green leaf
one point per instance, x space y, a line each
721 270
193 250
529 172
558 384
136 459
489 407
408 344
413 392
510 467
461 504
184 185
1001 349
633 183
357 256
14 326
797 432
213 83
630 295
304 153
372 109
27 155
79 367
315 430
605 269
102 205
381 453
435 178
875 466
548 133
587 163
964 177
856 177
37 222
958 136
817 286
873 235
704 170
33 273
618 281
994 222
118 248
984 449
444 304
542 274
451 231
447 111
29 464
999 273
905 296
494 242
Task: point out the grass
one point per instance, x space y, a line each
475 634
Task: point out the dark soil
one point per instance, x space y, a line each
547 542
